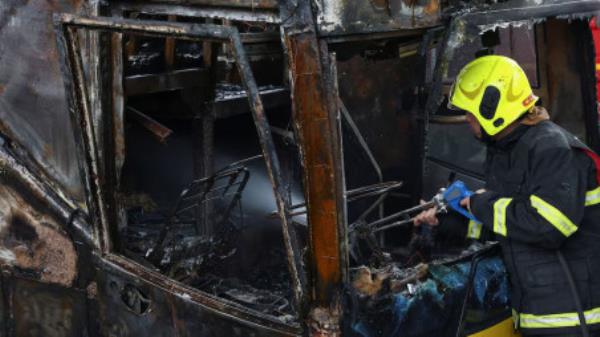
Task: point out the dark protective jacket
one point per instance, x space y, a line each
542 196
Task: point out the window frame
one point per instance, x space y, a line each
67 27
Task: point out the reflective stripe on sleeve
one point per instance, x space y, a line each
500 215
563 320
515 317
592 197
474 231
553 216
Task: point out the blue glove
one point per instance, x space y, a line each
456 192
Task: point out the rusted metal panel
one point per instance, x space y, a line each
32 101
252 4
338 17
33 244
316 132
33 240
312 123
39 259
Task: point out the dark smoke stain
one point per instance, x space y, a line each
11 9
19 231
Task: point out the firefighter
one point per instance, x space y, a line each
541 200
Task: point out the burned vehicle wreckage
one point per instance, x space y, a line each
228 167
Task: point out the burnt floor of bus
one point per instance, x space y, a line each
244 260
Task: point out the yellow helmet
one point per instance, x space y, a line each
495 90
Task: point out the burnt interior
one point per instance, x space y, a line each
195 196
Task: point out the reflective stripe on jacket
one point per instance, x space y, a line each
543 196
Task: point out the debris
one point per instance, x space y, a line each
135 200
267 301
160 131
368 283
203 262
425 292
411 275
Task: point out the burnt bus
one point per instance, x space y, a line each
226 167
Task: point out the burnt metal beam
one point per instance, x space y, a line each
169 81
259 37
315 116
235 105
85 139
252 4
170 44
159 131
235 14
273 167
395 34
201 101
184 31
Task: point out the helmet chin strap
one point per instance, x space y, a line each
485 138
488 140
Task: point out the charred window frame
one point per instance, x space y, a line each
67 27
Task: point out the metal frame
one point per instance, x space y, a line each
316 124
266 15
66 28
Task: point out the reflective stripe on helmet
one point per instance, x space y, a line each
563 320
500 215
592 197
553 216
474 231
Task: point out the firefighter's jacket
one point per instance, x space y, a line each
543 196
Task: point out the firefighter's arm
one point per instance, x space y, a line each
454 227
547 216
